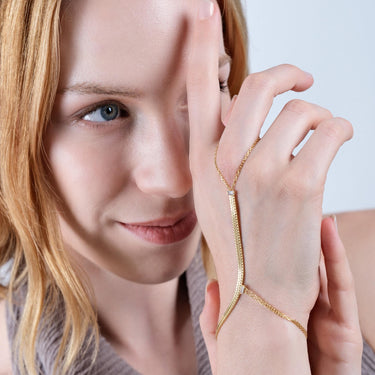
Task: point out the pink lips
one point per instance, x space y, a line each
164 231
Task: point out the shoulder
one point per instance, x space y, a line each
357 231
357 227
5 356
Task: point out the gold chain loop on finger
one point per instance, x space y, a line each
240 287
239 169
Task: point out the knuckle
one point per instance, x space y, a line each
299 186
327 112
310 111
345 125
338 129
332 129
345 285
349 284
298 106
259 81
289 67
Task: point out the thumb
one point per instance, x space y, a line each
341 292
208 320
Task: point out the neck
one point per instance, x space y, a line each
136 317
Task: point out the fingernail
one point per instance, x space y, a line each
206 9
334 219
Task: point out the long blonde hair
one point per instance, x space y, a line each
29 231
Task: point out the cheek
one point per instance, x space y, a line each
87 173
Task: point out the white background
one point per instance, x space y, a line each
335 41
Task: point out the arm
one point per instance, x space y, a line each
280 200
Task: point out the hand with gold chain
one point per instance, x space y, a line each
334 335
278 201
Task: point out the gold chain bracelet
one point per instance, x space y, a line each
240 287
272 308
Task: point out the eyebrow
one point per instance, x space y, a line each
87 88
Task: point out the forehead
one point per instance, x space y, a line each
142 40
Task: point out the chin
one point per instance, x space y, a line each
161 264
144 264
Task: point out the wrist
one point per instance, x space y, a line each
288 308
259 341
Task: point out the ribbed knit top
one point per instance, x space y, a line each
368 360
109 363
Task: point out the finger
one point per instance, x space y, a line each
228 114
209 319
314 159
288 130
323 294
253 104
202 78
341 290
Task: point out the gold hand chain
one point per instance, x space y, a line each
240 287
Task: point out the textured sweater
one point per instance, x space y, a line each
109 363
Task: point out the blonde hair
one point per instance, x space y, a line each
29 231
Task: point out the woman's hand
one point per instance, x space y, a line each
335 340
279 195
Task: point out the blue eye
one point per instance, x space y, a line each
104 113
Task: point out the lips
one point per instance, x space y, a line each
164 230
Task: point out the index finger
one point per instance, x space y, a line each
202 78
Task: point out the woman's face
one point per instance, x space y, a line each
119 137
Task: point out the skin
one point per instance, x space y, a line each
334 340
149 162
273 184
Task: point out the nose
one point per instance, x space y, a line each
162 167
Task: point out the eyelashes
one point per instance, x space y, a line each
104 112
223 85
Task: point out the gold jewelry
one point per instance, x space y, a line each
237 233
239 169
240 287
272 308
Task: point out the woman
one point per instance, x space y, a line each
98 213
